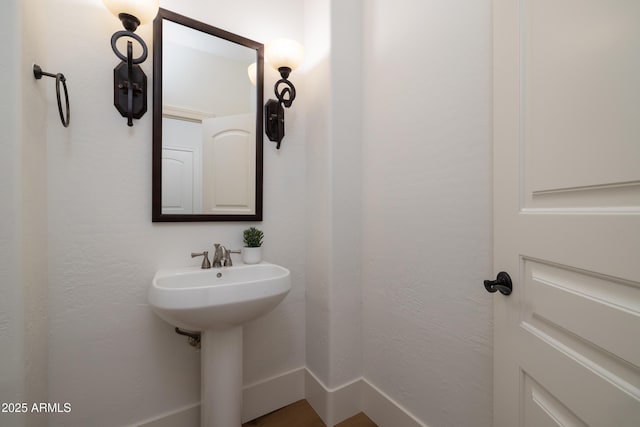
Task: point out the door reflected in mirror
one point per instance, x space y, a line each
207 123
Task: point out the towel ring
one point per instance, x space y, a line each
38 73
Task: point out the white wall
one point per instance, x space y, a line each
399 187
379 199
11 295
346 183
318 236
23 256
109 355
427 207
191 82
38 100
334 180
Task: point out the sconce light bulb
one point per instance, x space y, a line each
143 10
252 70
284 53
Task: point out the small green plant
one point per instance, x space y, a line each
253 237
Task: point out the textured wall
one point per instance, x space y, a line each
334 182
109 355
425 214
38 102
346 185
23 244
11 295
318 134
427 207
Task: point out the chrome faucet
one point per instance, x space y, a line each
221 256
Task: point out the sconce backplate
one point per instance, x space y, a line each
120 90
274 121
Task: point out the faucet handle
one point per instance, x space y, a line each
205 259
228 262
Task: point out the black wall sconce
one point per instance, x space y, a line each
129 81
283 55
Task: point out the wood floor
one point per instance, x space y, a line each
301 414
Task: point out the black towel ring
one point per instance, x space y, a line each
38 73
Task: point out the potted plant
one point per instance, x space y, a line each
252 250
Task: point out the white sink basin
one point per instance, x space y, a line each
217 298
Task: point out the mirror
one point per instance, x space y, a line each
207 122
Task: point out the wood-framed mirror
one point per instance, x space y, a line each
207 122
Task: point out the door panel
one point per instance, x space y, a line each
229 184
177 181
579 72
599 306
542 409
567 212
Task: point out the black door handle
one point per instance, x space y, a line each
502 284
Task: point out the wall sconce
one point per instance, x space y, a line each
283 55
129 81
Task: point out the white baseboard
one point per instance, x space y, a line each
272 393
332 405
187 416
338 404
383 410
259 399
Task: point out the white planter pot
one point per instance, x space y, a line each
251 255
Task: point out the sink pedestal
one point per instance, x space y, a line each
221 378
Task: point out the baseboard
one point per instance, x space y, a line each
337 404
383 410
187 416
259 399
272 393
332 405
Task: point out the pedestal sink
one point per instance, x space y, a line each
217 302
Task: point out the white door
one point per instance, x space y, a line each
567 212
177 180
181 166
229 164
